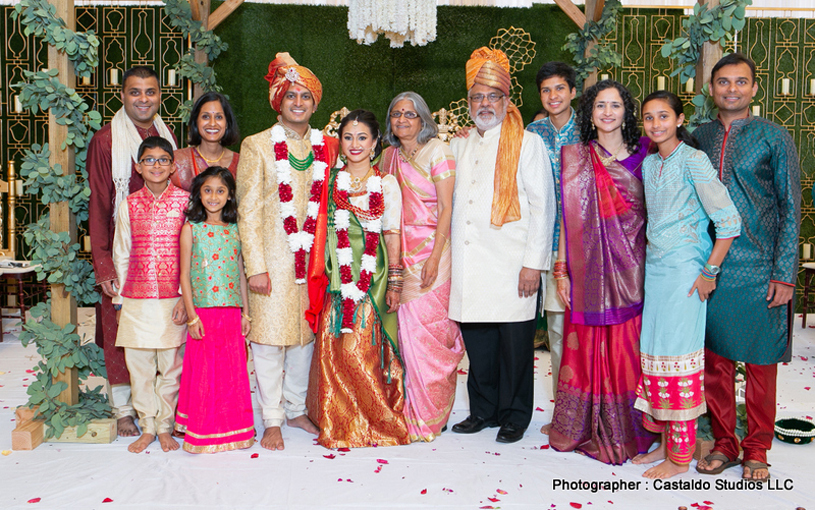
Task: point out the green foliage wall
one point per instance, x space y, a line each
359 76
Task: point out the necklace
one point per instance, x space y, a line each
357 183
405 158
211 161
301 164
612 155
300 240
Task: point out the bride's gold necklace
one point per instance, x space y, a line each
358 183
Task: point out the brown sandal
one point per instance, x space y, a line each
754 465
726 463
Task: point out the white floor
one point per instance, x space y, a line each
455 471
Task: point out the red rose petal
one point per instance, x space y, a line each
544 447
382 461
343 449
330 456
499 491
35 500
424 491
255 455
707 502
539 409
464 372
378 469
576 505
494 500
107 500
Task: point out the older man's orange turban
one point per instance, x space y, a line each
283 72
491 68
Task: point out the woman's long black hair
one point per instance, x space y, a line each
195 209
676 105
630 129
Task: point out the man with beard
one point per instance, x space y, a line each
501 238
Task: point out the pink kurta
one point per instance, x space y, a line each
430 343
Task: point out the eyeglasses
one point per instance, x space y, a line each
408 114
492 97
153 161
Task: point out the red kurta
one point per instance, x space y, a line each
101 224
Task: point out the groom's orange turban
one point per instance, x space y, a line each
283 72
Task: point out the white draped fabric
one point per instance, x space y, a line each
400 21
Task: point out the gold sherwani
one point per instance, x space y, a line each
277 319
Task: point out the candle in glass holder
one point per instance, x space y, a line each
18 105
807 251
756 111
812 87
86 80
114 77
689 86
785 87
171 77
603 76
86 244
660 83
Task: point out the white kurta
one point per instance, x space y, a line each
487 260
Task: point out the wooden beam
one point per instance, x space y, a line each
708 55
594 9
222 12
201 7
572 12
63 305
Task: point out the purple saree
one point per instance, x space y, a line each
604 225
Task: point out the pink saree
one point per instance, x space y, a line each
604 225
431 344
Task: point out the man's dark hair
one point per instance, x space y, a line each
734 59
155 142
140 72
560 69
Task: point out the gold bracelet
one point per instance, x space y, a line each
441 234
245 316
193 322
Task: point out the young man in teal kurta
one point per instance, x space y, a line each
747 318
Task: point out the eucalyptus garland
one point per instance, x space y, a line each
39 18
716 25
60 347
180 15
601 55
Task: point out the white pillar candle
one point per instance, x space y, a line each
171 77
785 87
86 80
812 87
18 105
689 86
114 77
660 83
807 251
756 111
603 76
86 244
18 184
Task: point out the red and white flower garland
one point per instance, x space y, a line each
371 221
300 241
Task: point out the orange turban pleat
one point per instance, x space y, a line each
491 68
283 71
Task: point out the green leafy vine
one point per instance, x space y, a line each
39 18
716 25
180 15
600 56
61 348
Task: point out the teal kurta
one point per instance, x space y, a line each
758 163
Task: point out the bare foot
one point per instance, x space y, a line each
167 442
546 428
303 422
659 453
755 470
141 443
272 439
665 469
127 427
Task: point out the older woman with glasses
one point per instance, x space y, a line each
430 343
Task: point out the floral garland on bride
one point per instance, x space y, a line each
300 241
371 220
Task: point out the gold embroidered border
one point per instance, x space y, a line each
224 434
215 448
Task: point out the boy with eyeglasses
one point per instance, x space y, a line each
146 254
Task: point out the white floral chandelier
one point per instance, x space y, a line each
400 21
